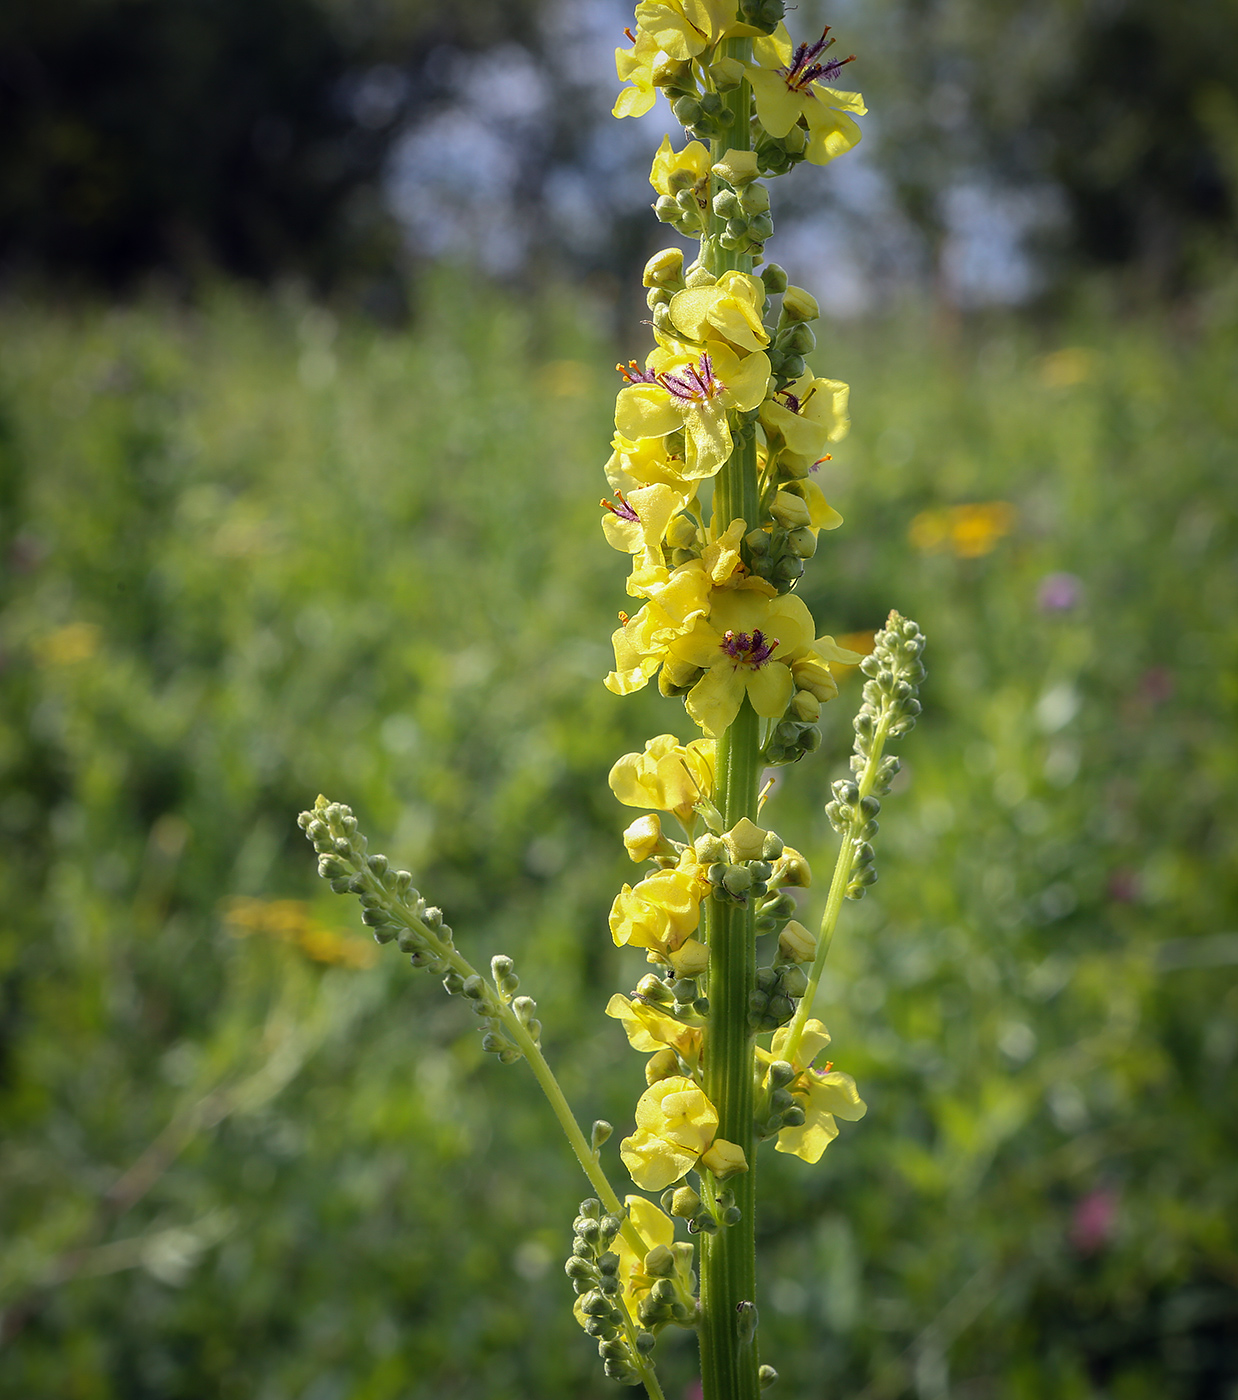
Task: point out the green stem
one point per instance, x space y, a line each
729 1363
838 885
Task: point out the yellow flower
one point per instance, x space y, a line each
668 776
635 67
802 418
635 524
824 1094
684 28
673 171
679 391
675 1124
643 462
786 90
657 1229
729 310
643 642
746 647
660 912
649 1029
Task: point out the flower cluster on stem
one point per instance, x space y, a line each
712 497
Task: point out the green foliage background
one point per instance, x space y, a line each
252 554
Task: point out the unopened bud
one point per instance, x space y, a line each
690 959
799 305
644 837
789 510
724 1159
796 944
685 1202
745 840
661 1065
805 706
665 269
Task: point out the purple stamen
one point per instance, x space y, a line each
633 373
804 68
749 649
623 510
694 383
793 402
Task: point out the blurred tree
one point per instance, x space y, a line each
1129 108
183 134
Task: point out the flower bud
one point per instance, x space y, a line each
791 870
662 1065
745 840
738 168
660 1262
805 706
789 510
664 269
727 74
685 1202
710 849
802 542
690 959
643 838
796 944
724 1159
798 305
652 988
681 532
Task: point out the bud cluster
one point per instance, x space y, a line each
703 1217
396 912
889 710
779 1109
593 1268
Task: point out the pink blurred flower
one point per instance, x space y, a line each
1093 1220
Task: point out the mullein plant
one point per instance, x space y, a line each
713 497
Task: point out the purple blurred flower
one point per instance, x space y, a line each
1059 592
1091 1224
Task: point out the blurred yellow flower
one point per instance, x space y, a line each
967 531
565 379
67 645
1063 368
289 921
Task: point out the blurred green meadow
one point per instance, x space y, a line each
252 553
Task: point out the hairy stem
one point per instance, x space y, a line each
728 1259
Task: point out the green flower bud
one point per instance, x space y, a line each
802 542
651 987
766 1377
602 1130
799 340
685 1203
805 706
775 278
799 305
660 1262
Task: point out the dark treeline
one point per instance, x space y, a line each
251 135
